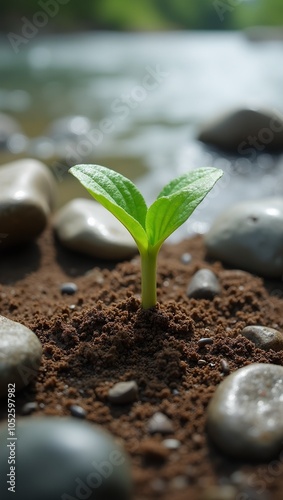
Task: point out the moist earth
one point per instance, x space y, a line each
99 336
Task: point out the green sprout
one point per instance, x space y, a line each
148 226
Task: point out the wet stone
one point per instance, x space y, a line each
77 411
244 416
26 199
85 226
65 458
160 423
233 131
20 355
249 236
264 337
123 392
68 288
203 285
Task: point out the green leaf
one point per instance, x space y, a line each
177 201
118 195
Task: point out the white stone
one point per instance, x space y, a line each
249 236
87 227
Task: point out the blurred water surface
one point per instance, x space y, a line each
145 96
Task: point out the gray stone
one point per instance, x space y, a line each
245 131
264 337
20 355
160 423
77 411
26 198
244 416
204 285
63 458
249 235
87 227
123 392
68 288
171 444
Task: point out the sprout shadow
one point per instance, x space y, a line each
77 264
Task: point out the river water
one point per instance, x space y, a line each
145 95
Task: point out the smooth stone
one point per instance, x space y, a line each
249 236
68 288
236 130
77 411
171 444
123 392
26 198
8 128
87 227
244 416
264 337
63 458
204 285
20 355
160 423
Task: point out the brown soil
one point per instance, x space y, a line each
100 336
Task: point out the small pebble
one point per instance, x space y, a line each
244 416
159 423
186 258
171 444
29 408
225 366
264 337
77 411
203 285
123 392
20 355
205 341
64 456
68 288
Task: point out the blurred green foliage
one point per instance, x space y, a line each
143 14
